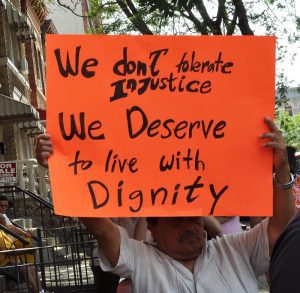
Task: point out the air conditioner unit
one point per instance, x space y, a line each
24 66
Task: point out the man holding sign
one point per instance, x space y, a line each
182 260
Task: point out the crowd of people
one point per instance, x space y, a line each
178 257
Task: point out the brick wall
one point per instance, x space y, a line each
31 73
2 33
9 80
3 53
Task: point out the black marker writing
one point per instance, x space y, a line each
138 124
93 128
68 69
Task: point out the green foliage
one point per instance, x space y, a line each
290 127
270 17
113 21
39 5
282 89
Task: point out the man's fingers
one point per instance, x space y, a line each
273 144
275 137
271 135
44 155
275 141
44 142
43 149
271 124
43 136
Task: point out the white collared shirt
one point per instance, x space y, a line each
228 264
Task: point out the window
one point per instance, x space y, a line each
14 48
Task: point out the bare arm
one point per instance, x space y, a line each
212 226
255 220
223 220
108 236
140 230
283 200
18 230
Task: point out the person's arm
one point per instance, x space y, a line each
283 200
105 231
223 220
108 236
212 226
255 220
18 230
140 230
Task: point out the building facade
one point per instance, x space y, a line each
22 82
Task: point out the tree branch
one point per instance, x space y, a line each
134 17
220 14
198 24
216 30
242 16
231 26
131 6
69 8
72 9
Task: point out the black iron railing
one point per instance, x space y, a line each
62 245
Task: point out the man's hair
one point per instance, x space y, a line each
152 220
3 197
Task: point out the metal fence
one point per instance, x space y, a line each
61 252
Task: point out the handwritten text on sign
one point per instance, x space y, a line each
149 126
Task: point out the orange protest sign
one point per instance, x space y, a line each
160 125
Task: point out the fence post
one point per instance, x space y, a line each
21 181
42 181
30 173
42 266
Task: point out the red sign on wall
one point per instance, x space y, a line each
8 172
